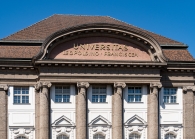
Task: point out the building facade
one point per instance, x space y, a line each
95 77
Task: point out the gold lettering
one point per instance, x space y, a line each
76 46
65 52
82 47
71 53
97 47
125 48
102 47
90 47
79 53
120 47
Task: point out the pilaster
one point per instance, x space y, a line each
117 110
3 111
152 114
81 111
188 112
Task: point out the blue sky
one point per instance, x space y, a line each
174 19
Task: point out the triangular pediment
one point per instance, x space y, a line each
100 120
63 121
135 120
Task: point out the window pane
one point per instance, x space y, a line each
173 99
25 90
66 98
130 98
58 98
94 98
137 98
138 90
102 98
25 99
131 90
16 99
166 99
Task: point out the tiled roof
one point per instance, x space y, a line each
30 51
46 27
178 55
18 51
41 30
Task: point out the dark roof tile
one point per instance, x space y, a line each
44 28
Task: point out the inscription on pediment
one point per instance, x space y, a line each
99 48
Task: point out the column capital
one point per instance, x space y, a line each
4 87
119 84
46 84
39 85
82 84
152 85
189 88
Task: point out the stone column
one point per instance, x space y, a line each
188 112
117 111
43 110
3 111
81 111
37 110
152 114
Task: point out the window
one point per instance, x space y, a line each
134 136
98 136
98 94
21 94
62 94
21 137
62 137
170 136
170 95
134 94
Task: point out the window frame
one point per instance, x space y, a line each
99 94
66 136
134 135
63 94
168 134
134 94
21 95
170 100
98 135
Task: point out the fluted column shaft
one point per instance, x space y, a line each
117 111
43 111
152 113
3 111
81 111
188 112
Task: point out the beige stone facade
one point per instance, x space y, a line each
95 54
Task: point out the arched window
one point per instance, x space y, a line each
21 137
170 136
134 136
62 137
98 136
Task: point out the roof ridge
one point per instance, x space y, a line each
80 15
28 27
144 29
